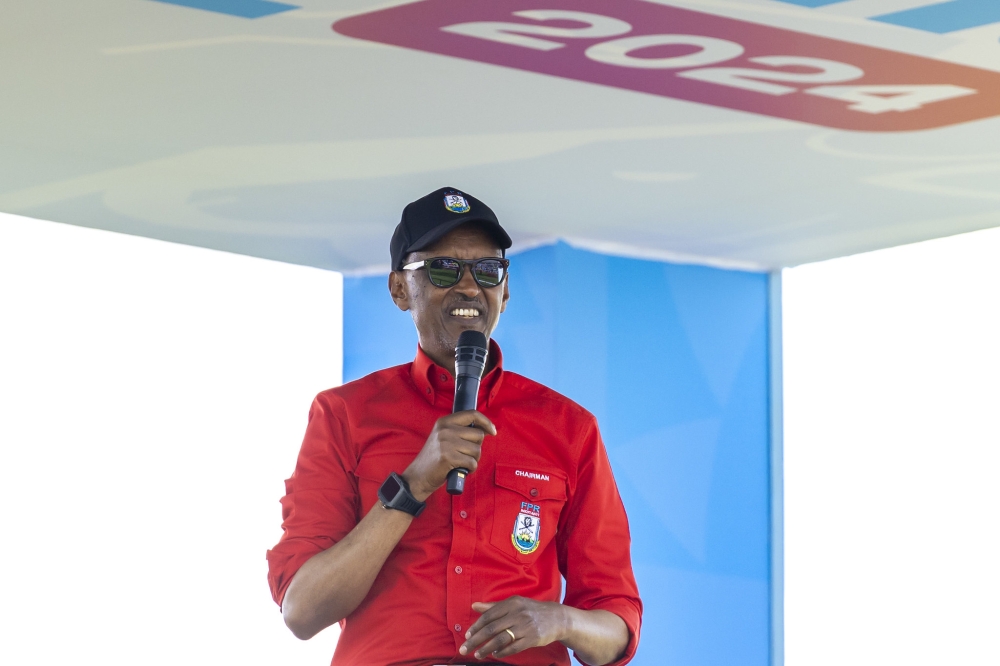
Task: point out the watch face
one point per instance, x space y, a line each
390 488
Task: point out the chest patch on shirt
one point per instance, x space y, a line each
526 528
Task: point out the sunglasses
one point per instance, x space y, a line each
446 272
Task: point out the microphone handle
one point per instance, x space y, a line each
466 393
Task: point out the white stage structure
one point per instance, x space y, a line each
892 454
153 397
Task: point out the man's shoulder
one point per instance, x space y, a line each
362 388
539 395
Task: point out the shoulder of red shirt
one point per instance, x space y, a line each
515 387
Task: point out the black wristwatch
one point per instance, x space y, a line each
395 494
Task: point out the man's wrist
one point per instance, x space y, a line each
564 614
416 488
395 494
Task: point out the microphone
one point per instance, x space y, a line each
470 362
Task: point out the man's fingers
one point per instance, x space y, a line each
512 647
494 612
489 638
476 640
467 434
499 642
472 418
465 448
465 462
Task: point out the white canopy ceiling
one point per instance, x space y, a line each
280 137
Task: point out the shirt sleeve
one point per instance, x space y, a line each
594 554
321 502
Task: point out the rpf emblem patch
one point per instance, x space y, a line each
456 203
526 528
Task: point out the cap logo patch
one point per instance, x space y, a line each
456 203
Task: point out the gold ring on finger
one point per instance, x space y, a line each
512 636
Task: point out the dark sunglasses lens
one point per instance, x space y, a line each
444 272
489 272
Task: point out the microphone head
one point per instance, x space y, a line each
472 339
470 356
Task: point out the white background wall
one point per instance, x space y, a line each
152 399
892 456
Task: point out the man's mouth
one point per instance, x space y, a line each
468 313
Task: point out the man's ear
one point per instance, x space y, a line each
398 290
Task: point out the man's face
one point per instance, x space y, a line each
442 313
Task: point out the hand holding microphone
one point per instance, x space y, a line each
470 362
453 447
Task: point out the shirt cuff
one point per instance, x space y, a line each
632 616
284 561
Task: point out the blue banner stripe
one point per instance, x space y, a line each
250 9
946 17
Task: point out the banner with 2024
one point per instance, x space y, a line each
695 56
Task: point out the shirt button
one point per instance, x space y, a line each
458 570
428 390
534 492
463 514
458 627
444 378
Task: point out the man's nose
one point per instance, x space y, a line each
467 286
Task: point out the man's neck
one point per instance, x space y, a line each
444 361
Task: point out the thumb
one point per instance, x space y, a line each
483 606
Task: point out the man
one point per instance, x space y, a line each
416 576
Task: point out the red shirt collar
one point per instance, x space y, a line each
431 380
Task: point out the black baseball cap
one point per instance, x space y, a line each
429 218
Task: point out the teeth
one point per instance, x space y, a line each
465 312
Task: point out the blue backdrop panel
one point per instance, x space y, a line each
673 361
946 17
250 9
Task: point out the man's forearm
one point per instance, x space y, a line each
597 637
329 586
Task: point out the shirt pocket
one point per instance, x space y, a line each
372 471
527 503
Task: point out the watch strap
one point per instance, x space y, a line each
404 500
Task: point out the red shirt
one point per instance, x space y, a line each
542 505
